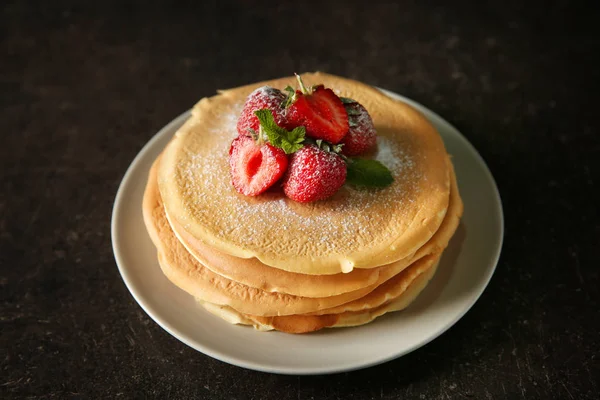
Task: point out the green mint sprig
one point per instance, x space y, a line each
368 173
288 141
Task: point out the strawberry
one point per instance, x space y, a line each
255 166
313 174
320 111
263 97
362 134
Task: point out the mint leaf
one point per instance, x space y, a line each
288 141
294 140
368 173
347 100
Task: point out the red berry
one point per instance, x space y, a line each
254 167
313 174
362 134
263 97
322 113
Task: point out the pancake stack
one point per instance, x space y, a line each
276 264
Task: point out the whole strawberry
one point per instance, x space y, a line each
362 134
313 174
255 166
264 97
320 111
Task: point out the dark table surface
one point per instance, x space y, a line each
83 88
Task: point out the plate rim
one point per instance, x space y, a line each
324 369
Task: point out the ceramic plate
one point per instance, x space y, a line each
464 271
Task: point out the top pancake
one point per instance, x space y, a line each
352 229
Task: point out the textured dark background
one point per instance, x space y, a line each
82 88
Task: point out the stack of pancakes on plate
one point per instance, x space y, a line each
273 263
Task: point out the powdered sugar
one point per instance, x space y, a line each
227 129
393 156
267 91
355 215
263 97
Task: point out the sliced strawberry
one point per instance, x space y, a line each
321 112
362 134
313 174
263 97
255 167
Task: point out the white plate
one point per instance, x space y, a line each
464 271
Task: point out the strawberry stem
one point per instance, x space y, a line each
301 84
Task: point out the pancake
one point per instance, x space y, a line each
311 323
390 289
253 273
187 273
352 229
